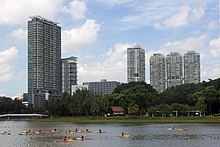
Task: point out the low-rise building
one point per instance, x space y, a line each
104 87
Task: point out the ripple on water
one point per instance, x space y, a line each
176 137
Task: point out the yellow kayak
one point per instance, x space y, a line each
170 129
22 133
85 131
70 132
124 136
181 129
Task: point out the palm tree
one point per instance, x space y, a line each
99 105
133 108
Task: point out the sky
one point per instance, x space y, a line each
99 32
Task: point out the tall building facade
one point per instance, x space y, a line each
103 87
174 68
158 72
44 60
69 74
135 64
191 67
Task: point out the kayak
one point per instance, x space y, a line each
124 136
181 129
84 131
23 133
97 132
53 131
171 129
178 129
70 132
79 138
65 140
39 132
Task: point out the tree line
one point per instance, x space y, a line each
137 98
8 105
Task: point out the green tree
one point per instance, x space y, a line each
212 98
80 103
141 95
99 105
133 109
165 109
180 108
201 105
152 110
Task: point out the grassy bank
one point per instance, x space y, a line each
206 119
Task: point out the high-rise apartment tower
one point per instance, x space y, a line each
191 67
135 64
44 60
174 68
69 74
158 72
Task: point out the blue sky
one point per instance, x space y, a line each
98 32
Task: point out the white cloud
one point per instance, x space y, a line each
163 14
19 34
77 9
190 43
112 68
18 11
178 20
80 37
215 47
211 72
215 43
17 96
185 16
7 59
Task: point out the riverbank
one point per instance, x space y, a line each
139 119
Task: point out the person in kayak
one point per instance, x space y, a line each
122 134
65 138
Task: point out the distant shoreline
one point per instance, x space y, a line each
130 119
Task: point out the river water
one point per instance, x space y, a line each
141 135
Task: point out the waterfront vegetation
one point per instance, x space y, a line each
137 98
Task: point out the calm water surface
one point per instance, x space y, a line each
141 135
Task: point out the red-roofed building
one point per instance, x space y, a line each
117 110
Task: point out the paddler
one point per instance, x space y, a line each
65 138
122 134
